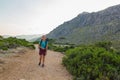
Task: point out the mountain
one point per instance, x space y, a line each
30 38
6 36
90 27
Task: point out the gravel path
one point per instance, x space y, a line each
25 67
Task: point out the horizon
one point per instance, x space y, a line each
28 17
21 35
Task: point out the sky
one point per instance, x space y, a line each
26 17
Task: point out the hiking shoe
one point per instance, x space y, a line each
39 63
43 65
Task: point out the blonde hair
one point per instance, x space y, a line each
43 37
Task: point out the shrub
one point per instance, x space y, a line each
4 48
106 45
36 42
11 42
58 48
92 63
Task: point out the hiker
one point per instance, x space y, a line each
43 46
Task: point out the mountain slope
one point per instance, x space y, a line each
90 27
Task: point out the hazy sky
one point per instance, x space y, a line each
41 16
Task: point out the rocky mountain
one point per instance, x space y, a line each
90 27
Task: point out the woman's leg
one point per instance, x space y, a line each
40 59
43 60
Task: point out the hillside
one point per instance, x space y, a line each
90 27
12 43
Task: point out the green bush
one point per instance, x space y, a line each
8 43
31 46
59 48
92 63
4 48
36 42
106 45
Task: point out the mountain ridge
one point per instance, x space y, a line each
90 27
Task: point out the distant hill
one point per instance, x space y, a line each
6 36
90 27
30 38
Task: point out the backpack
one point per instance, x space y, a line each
46 41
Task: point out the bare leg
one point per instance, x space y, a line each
43 59
40 59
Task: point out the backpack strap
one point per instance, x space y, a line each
46 41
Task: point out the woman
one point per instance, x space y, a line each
43 46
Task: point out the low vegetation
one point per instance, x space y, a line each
9 43
93 62
59 46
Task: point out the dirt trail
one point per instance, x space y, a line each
25 67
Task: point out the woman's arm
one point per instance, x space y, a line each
47 47
39 45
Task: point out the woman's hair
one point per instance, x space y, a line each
43 36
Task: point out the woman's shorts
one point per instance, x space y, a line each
42 51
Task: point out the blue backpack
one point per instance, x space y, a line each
46 41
